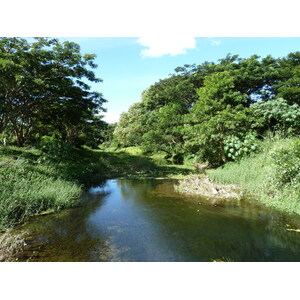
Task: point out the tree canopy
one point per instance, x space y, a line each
199 109
45 90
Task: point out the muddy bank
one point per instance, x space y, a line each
11 245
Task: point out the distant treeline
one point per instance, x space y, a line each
45 95
215 112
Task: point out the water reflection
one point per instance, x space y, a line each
145 220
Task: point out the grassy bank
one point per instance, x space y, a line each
132 163
262 174
32 181
29 186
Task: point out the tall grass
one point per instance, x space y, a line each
28 187
255 174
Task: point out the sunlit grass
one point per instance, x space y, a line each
254 174
28 187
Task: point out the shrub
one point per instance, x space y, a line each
235 148
286 159
277 115
54 149
26 191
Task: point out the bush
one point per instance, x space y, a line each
277 115
286 159
54 149
29 185
7 139
268 176
236 148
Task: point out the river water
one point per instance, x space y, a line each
146 220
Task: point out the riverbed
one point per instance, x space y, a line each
147 221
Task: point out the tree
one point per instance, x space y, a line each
175 89
200 108
289 86
220 112
165 132
44 82
132 126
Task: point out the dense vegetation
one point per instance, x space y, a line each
215 111
222 115
44 92
270 176
48 108
216 114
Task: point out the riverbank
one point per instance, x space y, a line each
201 185
269 176
30 185
33 181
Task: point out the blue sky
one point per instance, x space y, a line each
130 65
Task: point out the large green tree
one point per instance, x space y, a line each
219 113
289 84
45 82
132 126
165 131
199 108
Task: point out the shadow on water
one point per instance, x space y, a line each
67 236
146 220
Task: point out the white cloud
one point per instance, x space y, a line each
111 117
159 46
215 42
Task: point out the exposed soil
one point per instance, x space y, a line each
202 185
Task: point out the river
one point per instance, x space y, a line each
146 220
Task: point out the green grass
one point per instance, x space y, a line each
254 174
131 162
32 182
28 187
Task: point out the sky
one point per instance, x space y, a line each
129 65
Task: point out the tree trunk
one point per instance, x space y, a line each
20 140
19 137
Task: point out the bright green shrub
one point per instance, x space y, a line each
286 160
235 148
277 115
27 189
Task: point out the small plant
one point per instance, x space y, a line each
235 148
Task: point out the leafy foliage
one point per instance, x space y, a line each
277 115
286 159
289 84
200 109
132 126
217 114
165 133
43 89
236 148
